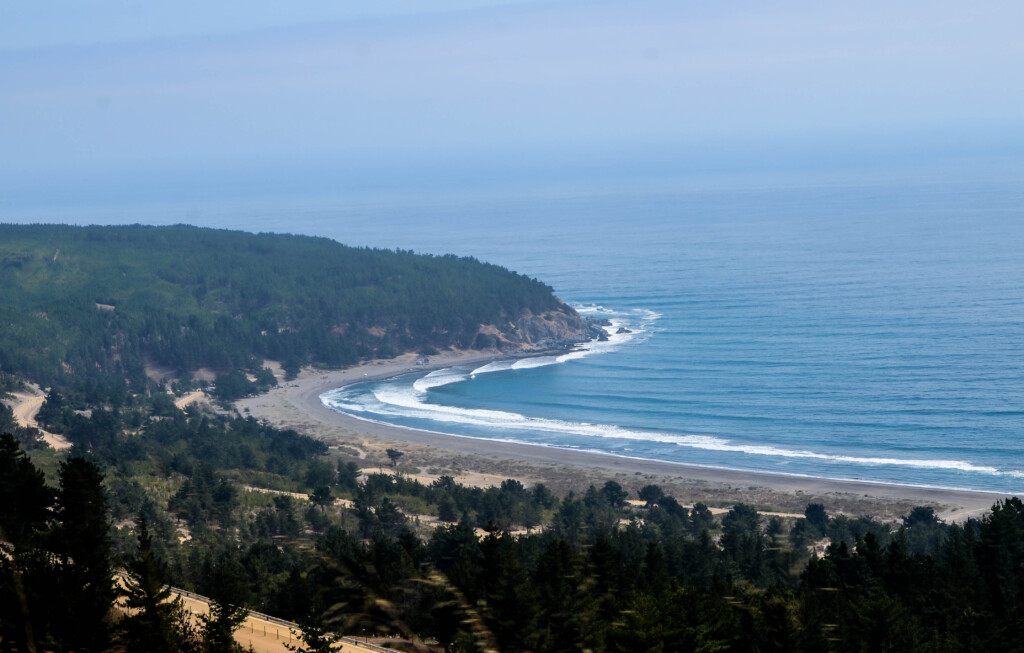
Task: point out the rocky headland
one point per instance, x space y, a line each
557 330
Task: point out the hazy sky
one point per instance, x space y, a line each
193 95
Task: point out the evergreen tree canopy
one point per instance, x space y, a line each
99 302
24 498
153 622
82 541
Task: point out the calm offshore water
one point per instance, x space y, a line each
871 331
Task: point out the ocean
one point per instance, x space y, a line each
844 329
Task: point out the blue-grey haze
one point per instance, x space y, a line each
106 100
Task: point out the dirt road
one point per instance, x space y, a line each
267 634
26 406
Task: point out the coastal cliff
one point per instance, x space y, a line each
559 329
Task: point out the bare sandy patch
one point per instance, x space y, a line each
25 406
189 398
158 373
468 478
275 369
299 496
204 374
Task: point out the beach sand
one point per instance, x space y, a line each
296 404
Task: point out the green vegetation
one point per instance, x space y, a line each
89 306
28 436
443 566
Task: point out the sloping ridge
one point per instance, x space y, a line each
98 302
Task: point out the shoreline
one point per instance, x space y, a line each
296 404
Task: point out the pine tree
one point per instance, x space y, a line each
154 622
25 500
82 543
226 612
219 626
315 635
393 456
321 496
25 504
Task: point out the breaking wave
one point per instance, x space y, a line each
405 398
393 400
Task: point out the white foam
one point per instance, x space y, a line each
496 366
718 444
538 361
399 399
635 321
614 341
641 314
439 378
392 396
588 309
404 401
614 454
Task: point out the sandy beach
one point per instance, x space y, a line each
296 404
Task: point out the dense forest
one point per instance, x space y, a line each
93 305
448 567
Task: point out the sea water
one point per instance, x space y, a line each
842 329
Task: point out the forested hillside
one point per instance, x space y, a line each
443 567
100 302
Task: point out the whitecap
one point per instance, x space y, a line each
439 378
495 366
398 400
536 361
613 341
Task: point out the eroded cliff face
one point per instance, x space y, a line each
561 329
